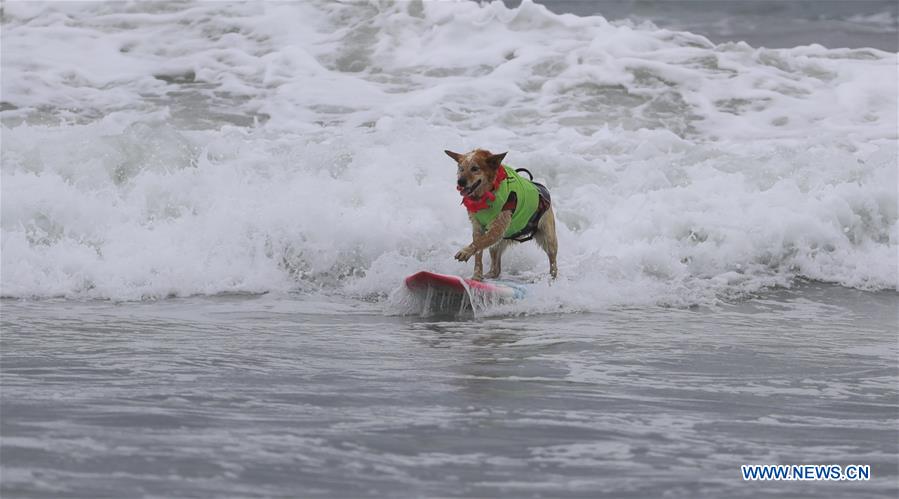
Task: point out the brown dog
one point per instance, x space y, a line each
503 207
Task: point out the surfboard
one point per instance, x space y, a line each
442 293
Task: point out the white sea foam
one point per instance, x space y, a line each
154 150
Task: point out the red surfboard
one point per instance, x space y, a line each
453 283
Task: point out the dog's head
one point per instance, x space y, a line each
477 170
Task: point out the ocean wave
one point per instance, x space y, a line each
170 149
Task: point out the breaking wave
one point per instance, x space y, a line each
170 149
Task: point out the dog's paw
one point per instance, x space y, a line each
493 274
465 253
477 277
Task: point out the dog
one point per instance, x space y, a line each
504 207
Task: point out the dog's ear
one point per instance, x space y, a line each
496 160
456 156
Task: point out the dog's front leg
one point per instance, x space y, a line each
476 231
495 231
467 251
484 240
478 266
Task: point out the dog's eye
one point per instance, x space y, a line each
474 168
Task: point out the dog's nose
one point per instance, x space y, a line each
462 182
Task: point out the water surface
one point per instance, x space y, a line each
278 396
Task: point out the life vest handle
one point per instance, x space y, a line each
525 170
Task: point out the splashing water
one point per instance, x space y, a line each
154 150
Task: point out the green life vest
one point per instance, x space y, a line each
527 202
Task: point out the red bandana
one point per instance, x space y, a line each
473 205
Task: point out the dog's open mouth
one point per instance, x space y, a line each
474 187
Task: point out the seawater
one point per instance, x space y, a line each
277 396
155 150
207 210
